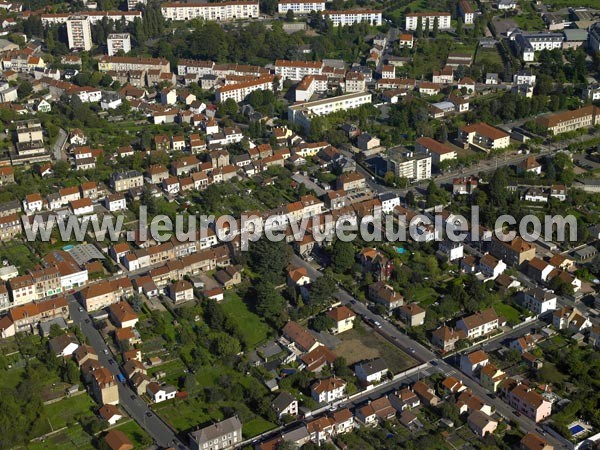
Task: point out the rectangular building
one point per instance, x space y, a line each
79 33
300 6
352 16
427 20
303 113
221 11
565 121
118 41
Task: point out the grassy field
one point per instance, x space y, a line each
67 411
425 296
511 314
10 378
73 437
138 436
253 327
256 426
18 255
364 343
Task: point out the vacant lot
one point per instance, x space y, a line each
69 410
362 343
253 327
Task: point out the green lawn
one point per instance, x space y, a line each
256 426
73 437
424 295
18 255
138 436
173 370
253 327
186 414
10 378
69 410
511 314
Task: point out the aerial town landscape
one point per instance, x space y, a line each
168 278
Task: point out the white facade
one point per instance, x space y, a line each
300 6
210 11
303 113
118 41
427 21
79 33
296 70
350 17
539 301
239 92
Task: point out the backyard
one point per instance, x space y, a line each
361 343
253 327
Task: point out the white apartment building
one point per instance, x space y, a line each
352 16
303 113
296 70
79 33
524 77
196 66
300 6
466 12
93 16
528 44
427 20
240 91
413 166
539 301
210 11
118 41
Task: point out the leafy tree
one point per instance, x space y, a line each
321 290
270 304
25 89
269 259
343 256
322 323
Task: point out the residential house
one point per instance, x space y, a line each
123 315
479 324
343 318
217 436
158 393
285 404
104 387
328 390
412 314
385 295
372 371
426 393
299 336
446 338
490 377
481 424
472 362
181 291
539 301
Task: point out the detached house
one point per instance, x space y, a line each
539 301
343 318
369 372
385 295
328 390
471 363
479 324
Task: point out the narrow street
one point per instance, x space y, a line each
424 355
135 406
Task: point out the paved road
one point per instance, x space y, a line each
135 406
59 145
423 355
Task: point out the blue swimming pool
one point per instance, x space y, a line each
576 429
400 250
66 248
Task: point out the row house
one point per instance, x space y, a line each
526 400
514 253
27 317
10 227
127 63
566 121
124 181
36 285
105 293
